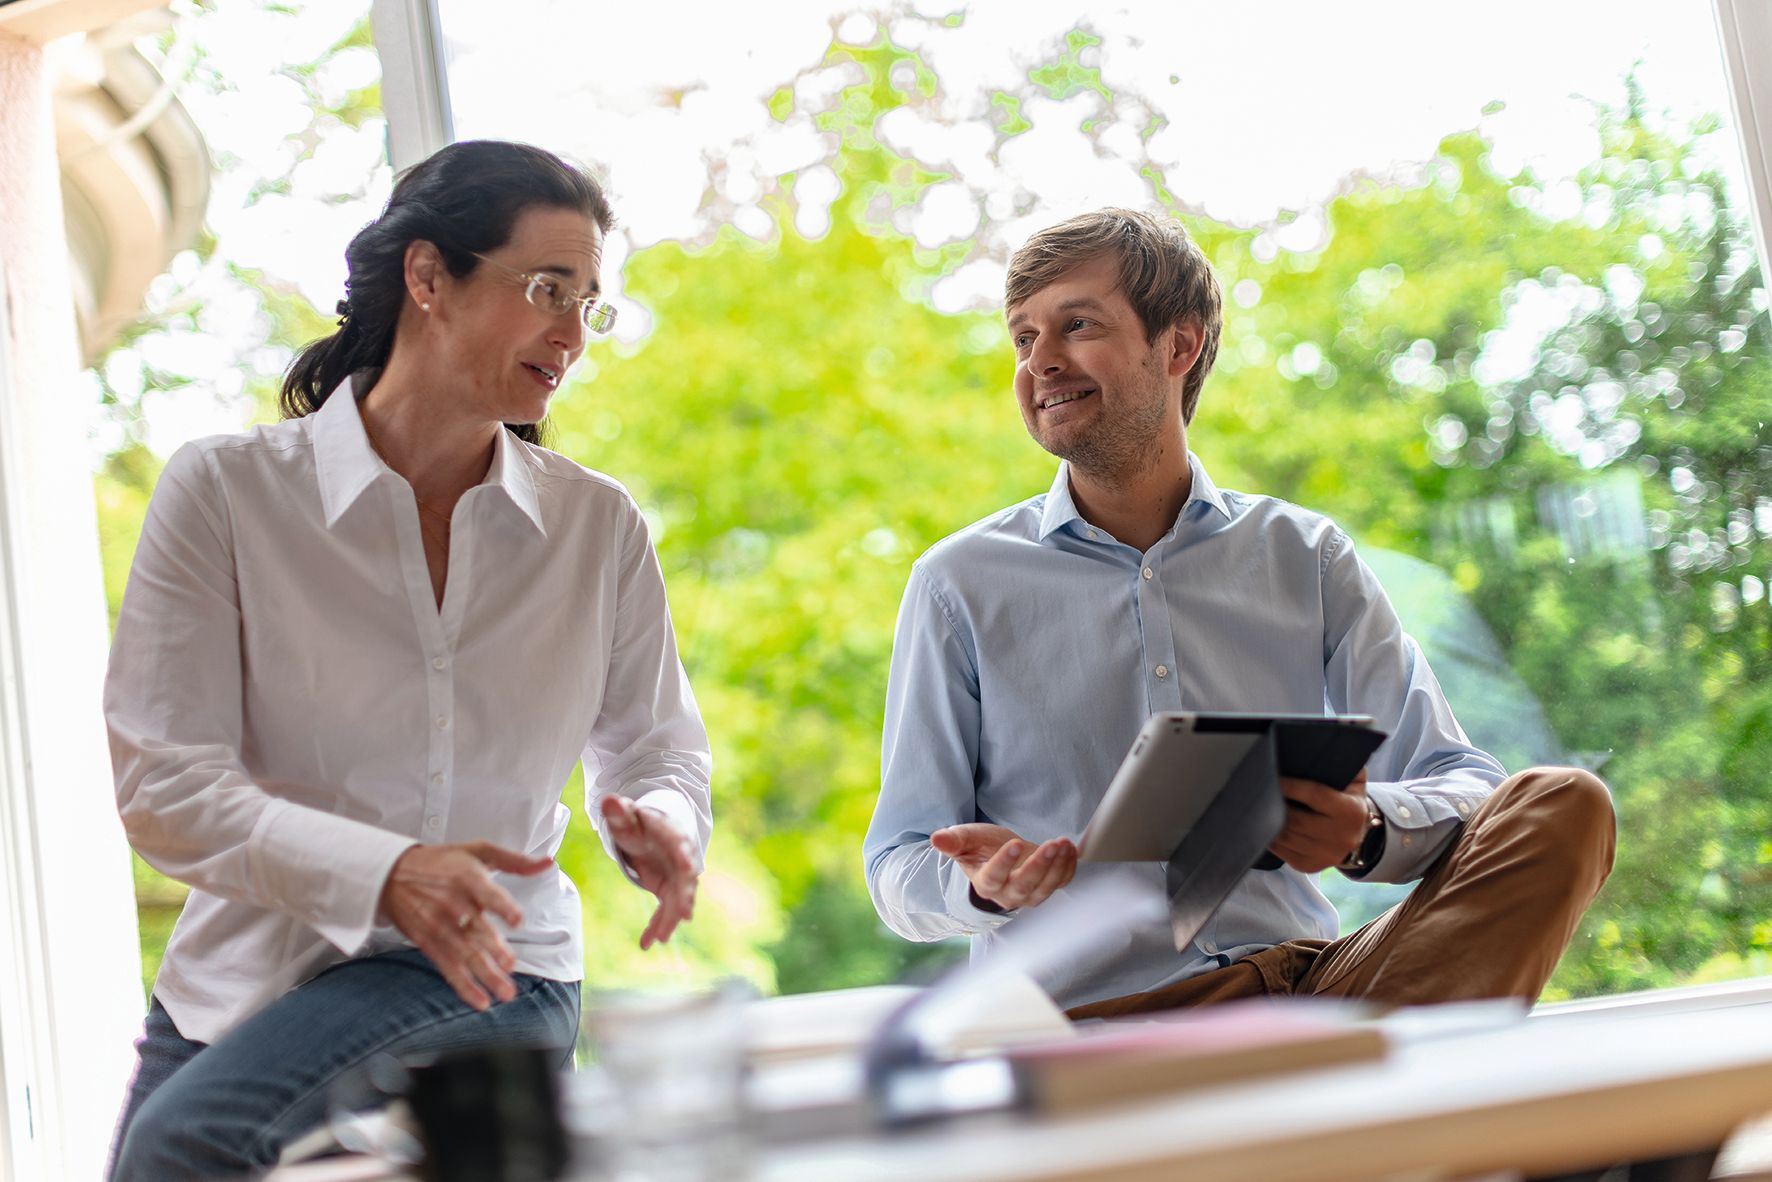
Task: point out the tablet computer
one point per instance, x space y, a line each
1201 793
1180 762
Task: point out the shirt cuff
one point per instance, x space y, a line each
1408 832
677 810
326 870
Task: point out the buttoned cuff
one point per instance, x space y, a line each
325 870
1411 835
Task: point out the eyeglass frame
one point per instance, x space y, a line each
590 308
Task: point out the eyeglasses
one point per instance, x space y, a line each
550 295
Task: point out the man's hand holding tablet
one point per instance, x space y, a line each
1324 825
1007 871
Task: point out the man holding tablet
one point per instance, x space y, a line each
1033 645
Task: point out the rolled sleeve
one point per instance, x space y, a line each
648 742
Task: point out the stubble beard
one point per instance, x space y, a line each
1116 448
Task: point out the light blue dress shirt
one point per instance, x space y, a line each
1032 646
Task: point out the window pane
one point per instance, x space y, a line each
1494 310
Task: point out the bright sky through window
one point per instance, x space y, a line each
1269 107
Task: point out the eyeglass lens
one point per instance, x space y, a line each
550 296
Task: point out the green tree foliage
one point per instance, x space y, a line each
799 423
1655 656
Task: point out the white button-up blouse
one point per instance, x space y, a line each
289 710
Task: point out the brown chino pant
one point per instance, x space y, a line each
1490 918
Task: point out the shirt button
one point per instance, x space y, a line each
1408 841
1403 811
1147 572
442 722
1092 533
1464 810
1162 670
437 778
439 664
433 823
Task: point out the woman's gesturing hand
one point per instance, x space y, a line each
661 858
438 896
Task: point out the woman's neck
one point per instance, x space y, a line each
440 452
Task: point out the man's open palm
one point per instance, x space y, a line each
1004 868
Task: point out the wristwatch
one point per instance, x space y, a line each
1371 848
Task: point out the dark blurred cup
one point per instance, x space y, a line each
490 1115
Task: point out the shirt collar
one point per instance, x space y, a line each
342 456
347 464
1060 509
512 472
1202 490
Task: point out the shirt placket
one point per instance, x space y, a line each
440 759
1157 633
439 660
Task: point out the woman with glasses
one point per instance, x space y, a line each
359 654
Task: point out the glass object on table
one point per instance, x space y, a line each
662 1098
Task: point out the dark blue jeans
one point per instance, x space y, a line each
197 1110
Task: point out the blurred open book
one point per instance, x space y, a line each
1125 1060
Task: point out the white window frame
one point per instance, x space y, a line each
415 83
1744 34
70 960
26 1023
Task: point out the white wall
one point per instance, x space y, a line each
69 951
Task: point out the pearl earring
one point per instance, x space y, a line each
425 307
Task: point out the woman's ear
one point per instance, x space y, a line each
424 269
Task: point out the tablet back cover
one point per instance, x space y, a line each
1154 801
1238 825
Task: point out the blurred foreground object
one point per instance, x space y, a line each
666 1098
490 1116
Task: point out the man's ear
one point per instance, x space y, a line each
1186 338
424 271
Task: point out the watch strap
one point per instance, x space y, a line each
1371 848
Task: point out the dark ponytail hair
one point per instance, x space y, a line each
464 199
